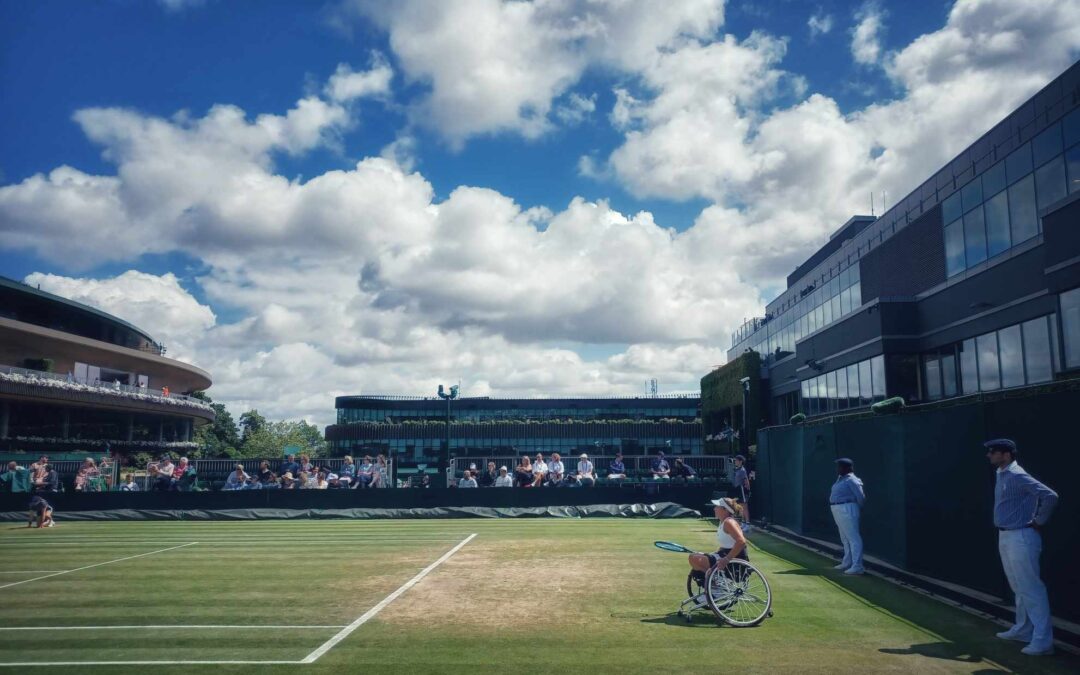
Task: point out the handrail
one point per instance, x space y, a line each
12 373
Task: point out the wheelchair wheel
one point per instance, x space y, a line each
692 586
739 594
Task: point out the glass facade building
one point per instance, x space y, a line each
969 284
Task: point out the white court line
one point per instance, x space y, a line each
181 627
108 562
29 571
27 664
345 632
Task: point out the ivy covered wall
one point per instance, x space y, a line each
722 399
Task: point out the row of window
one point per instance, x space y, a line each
419 447
854 386
1010 357
999 208
1070 325
347 415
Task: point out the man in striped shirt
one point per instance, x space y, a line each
1022 505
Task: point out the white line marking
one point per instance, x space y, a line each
182 627
345 632
108 562
29 571
26 664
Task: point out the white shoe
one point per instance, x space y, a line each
855 571
841 566
51 523
1012 635
1031 650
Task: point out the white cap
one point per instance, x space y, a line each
583 456
723 504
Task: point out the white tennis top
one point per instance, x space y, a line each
723 539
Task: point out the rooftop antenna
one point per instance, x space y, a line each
654 387
871 203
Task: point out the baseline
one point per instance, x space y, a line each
154 627
108 562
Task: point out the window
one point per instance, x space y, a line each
1011 357
997 224
932 377
972 194
877 365
1070 127
969 371
1037 360
830 384
1046 145
1072 166
1070 326
845 301
1018 164
853 385
856 296
989 374
866 394
948 375
951 208
841 389
993 179
954 248
1050 182
836 311
1022 215
974 237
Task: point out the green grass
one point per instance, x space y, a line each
525 595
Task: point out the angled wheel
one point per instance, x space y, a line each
692 586
738 594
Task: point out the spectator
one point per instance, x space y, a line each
287 481
320 482
366 473
467 481
237 478
105 467
523 473
303 481
381 476
487 479
540 469
585 475
556 470
49 480
504 479
682 472
37 469
165 391
273 483
617 469
742 489
660 467
166 467
183 476
425 482
305 465
333 482
160 481
15 479
265 474
290 466
87 471
347 470
129 484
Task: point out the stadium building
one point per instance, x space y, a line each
969 284
75 379
415 428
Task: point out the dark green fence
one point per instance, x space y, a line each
929 486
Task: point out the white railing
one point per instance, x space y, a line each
71 383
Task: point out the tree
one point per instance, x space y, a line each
271 438
220 438
251 422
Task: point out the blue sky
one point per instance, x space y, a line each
716 160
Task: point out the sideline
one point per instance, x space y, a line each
108 562
153 627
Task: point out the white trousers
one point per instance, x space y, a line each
847 521
1020 550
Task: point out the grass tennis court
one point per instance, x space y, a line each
528 595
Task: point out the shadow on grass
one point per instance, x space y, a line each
699 620
954 635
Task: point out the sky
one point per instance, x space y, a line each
531 198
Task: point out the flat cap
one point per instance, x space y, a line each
845 460
740 458
1003 443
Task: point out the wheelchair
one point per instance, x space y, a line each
739 595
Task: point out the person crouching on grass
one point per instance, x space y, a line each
730 539
41 512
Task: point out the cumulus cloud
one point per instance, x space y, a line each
866 35
496 66
819 24
347 85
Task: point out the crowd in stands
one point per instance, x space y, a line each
303 475
532 472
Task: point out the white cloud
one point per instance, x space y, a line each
577 109
347 85
496 66
819 24
866 36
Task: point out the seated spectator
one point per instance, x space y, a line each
556 470
321 482
523 473
237 478
365 473
159 480
682 472
50 480
183 475
15 479
304 481
467 481
659 467
381 478
504 479
540 469
425 481
347 471
129 484
287 481
305 465
289 466
265 473
487 479
105 467
166 466
585 475
273 483
617 469
87 471
333 482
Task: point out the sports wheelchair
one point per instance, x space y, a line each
739 594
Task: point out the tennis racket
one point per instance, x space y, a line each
672 546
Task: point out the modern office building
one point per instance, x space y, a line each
414 428
971 283
75 379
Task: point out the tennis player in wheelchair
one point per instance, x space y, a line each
729 537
